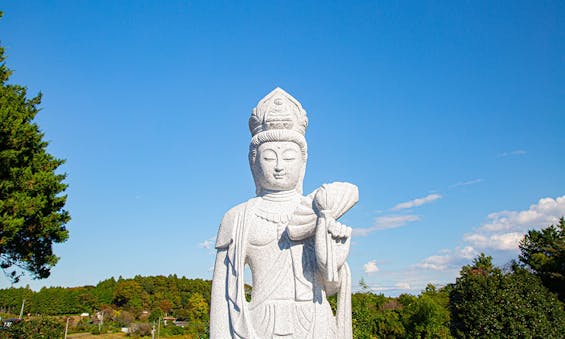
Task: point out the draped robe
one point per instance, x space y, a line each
272 313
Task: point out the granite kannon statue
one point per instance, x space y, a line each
293 245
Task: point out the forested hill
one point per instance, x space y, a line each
172 295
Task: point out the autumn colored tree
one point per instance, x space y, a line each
32 214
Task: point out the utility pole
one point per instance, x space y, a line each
101 322
159 328
22 309
67 327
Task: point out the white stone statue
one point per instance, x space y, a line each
293 245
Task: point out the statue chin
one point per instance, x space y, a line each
293 245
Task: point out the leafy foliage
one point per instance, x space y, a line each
487 303
37 328
428 315
32 217
199 314
373 316
121 302
544 253
484 302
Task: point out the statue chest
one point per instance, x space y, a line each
262 232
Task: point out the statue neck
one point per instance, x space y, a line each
278 195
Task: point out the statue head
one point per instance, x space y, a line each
278 151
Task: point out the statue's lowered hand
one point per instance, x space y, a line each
339 230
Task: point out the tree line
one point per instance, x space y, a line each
523 299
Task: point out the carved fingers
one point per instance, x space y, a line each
338 230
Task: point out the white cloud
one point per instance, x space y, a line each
467 183
392 221
399 286
384 222
546 211
435 262
467 252
448 260
516 152
402 285
503 232
503 241
416 202
371 267
505 229
208 243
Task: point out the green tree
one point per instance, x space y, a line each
198 315
375 316
37 328
127 293
487 303
155 315
428 315
32 217
543 252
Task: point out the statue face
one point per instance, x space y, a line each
278 165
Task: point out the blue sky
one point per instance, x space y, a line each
449 116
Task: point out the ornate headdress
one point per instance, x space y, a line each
278 110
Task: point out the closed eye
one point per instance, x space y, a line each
289 155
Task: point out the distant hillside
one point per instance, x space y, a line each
171 295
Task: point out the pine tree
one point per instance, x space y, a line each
32 215
543 252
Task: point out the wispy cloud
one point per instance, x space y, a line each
516 152
411 279
416 202
371 267
385 222
467 183
399 286
402 285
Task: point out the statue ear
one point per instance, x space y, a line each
299 186
252 159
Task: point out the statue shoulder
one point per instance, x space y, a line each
228 225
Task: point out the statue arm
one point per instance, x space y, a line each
332 238
219 308
341 243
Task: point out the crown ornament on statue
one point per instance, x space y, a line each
278 110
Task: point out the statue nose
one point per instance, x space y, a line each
278 166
